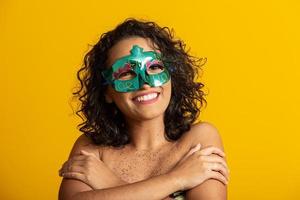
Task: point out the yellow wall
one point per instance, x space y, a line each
252 75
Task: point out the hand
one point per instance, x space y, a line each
191 151
87 167
200 165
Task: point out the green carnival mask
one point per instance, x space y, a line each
131 72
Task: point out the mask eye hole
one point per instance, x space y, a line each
127 75
124 73
155 68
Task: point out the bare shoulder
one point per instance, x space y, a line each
70 187
206 134
85 143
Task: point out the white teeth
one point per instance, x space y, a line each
147 97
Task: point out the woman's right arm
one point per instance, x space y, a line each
157 187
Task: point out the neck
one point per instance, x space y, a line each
147 134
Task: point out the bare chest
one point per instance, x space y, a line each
140 165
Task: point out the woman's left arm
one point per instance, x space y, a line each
212 189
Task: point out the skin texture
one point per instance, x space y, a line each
149 162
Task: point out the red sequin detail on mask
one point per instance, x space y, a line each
126 68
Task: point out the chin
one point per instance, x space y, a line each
149 115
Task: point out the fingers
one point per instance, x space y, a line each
68 165
78 157
218 176
218 167
75 158
83 152
192 150
78 160
215 158
83 156
75 175
210 150
71 169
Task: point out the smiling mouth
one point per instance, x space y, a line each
147 98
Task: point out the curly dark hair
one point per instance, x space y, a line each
103 122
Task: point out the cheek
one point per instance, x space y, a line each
168 88
167 92
121 100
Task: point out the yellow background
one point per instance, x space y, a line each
252 76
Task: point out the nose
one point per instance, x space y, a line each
145 86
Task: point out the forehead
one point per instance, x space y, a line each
123 47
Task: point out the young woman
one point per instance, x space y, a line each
140 101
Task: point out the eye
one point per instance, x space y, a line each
127 75
155 69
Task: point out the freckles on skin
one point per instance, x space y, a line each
141 165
